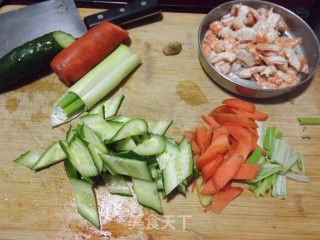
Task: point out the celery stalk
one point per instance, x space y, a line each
309 121
95 85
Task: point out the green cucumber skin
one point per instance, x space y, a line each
28 59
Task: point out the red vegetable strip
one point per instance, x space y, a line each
257 115
194 146
227 171
222 198
240 105
209 188
247 172
222 109
210 121
73 62
218 146
201 136
222 118
244 138
209 169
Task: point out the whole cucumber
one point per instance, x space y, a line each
31 57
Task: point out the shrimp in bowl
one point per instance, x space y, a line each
251 41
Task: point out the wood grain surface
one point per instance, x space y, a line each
41 205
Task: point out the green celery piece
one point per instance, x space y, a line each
269 140
279 189
267 170
309 121
255 156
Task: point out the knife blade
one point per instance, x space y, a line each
27 23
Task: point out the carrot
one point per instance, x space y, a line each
222 118
240 105
210 121
219 130
257 115
222 198
208 139
222 109
189 135
230 136
227 171
201 136
244 138
209 169
194 146
209 188
247 172
73 62
218 146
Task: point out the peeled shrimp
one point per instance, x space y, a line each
248 42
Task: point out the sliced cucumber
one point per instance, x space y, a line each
128 167
133 127
205 200
31 57
104 129
170 153
86 201
80 157
147 194
70 133
116 184
126 144
159 127
52 155
179 169
108 108
95 154
88 135
120 118
28 159
70 169
152 145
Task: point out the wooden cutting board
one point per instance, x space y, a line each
41 205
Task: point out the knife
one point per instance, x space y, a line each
27 23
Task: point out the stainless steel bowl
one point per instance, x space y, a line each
309 49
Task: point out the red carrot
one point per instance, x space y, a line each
218 146
247 172
201 136
222 198
227 171
73 62
222 118
240 105
210 121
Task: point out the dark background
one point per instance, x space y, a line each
309 10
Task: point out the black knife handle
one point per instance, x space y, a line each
133 11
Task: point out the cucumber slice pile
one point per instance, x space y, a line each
130 156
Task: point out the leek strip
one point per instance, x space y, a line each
106 76
74 108
67 99
95 85
309 121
